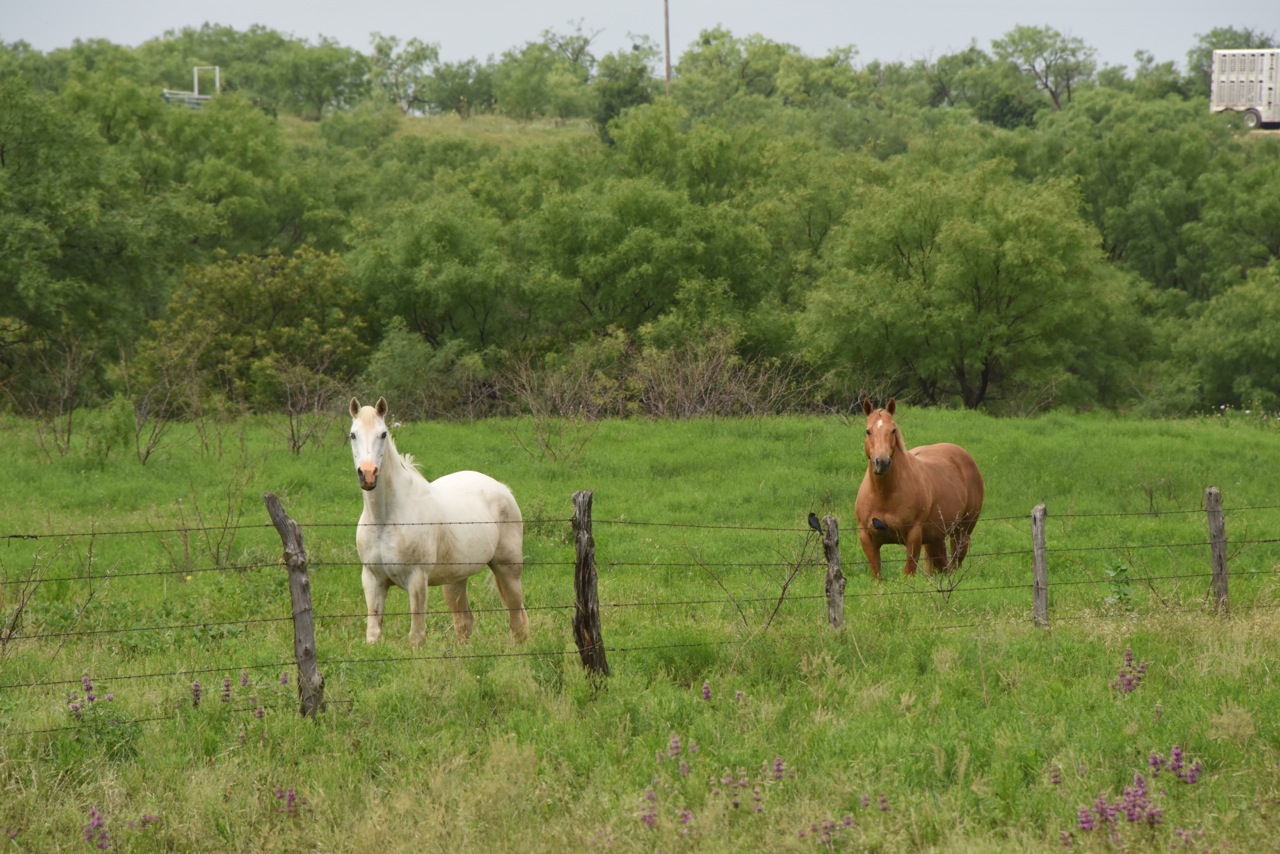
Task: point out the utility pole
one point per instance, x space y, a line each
666 40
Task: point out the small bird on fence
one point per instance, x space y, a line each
814 523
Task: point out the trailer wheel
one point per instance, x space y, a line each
1252 120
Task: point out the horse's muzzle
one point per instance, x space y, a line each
368 475
880 465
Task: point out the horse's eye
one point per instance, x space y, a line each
384 435
353 435
868 431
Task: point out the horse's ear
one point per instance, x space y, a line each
891 407
381 407
355 407
866 406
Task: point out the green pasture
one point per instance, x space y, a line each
938 718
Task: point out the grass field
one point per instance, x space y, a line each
938 718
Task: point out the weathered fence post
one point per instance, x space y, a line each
586 610
1217 547
835 578
310 682
1040 589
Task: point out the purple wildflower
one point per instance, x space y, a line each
883 804
292 803
284 677
779 769
96 830
706 690
649 815
244 678
226 690
195 693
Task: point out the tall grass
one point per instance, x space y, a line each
938 718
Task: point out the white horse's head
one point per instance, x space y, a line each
369 440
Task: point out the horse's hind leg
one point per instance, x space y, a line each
507 578
455 596
937 553
960 546
507 566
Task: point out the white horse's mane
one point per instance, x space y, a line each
411 464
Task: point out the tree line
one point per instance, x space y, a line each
550 231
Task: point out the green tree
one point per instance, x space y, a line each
446 268
995 91
720 67
402 74
622 80
1232 345
258 330
1239 224
538 80
461 87
623 248
1058 64
84 252
970 286
1137 163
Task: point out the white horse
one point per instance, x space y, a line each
414 533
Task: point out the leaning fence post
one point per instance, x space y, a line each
586 610
1040 589
1217 547
310 682
835 578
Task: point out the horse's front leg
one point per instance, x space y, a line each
915 539
871 549
418 583
375 598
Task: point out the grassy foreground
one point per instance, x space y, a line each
938 718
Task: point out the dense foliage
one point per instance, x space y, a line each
1013 230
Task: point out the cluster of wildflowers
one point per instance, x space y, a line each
1136 805
97 835
293 804
731 791
734 788
827 832
79 705
195 693
1131 674
1177 765
95 832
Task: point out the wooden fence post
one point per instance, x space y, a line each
310 682
835 578
1217 548
586 610
1040 589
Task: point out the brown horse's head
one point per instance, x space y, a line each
883 439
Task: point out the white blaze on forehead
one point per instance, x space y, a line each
880 423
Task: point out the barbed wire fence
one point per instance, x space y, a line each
588 627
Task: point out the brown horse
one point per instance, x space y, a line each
915 498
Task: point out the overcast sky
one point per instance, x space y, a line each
887 30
